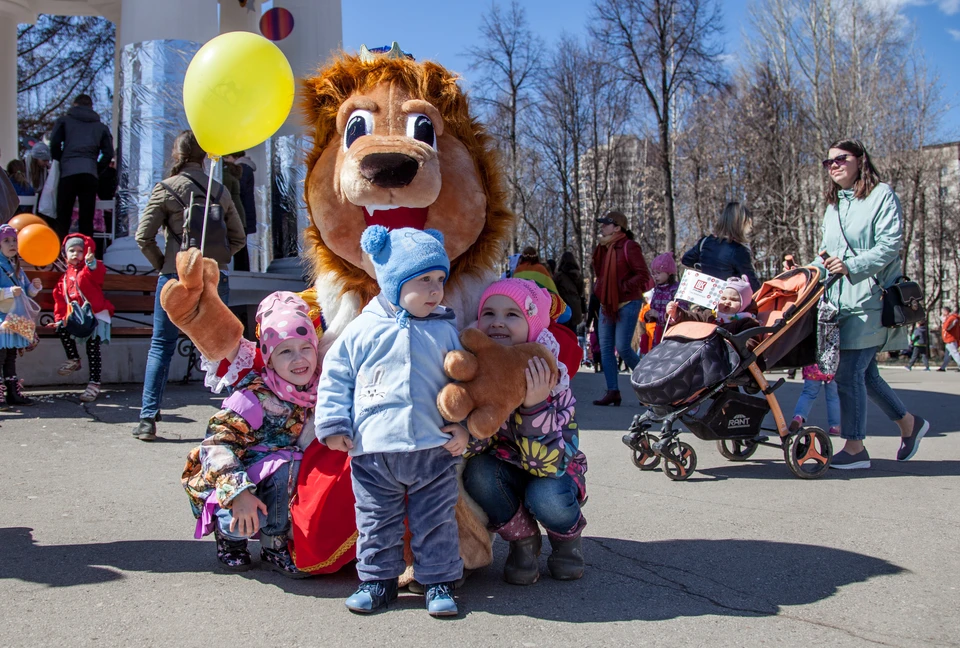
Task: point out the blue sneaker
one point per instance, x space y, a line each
372 595
910 444
440 600
843 460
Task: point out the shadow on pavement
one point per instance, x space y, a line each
627 580
624 580
88 564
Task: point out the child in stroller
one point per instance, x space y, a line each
695 376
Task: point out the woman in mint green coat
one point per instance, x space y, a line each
862 236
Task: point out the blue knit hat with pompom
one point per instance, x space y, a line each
402 254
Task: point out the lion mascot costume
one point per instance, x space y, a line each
394 144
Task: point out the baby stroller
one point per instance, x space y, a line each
695 376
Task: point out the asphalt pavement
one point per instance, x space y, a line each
97 546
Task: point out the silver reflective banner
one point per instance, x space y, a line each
286 158
151 115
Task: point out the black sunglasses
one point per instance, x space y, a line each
840 159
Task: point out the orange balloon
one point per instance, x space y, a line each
38 245
20 221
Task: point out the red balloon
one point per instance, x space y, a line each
38 245
276 24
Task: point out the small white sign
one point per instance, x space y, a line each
700 289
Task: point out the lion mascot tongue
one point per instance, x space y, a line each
394 144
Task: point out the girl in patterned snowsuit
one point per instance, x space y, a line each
532 469
241 478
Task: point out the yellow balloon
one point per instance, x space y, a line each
237 92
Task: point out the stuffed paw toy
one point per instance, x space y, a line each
192 303
491 383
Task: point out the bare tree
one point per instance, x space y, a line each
666 48
508 60
580 114
59 57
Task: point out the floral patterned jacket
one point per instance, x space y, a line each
253 416
544 440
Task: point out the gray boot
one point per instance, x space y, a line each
523 534
566 559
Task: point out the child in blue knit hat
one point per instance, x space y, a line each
377 400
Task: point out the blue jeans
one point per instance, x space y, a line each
858 377
811 389
618 334
274 492
500 488
162 345
421 486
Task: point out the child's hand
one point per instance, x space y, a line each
89 259
539 382
16 291
339 442
246 520
37 285
651 316
458 443
671 310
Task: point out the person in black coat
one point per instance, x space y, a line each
724 253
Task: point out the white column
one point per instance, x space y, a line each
148 20
317 33
233 17
8 87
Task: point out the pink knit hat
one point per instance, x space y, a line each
533 301
664 263
283 316
742 286
7 231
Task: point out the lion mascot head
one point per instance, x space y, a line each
394 144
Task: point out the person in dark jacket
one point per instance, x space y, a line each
622 278
724 253
84 147
919 341
242 259
569 282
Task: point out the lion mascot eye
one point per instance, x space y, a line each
419 127
359 124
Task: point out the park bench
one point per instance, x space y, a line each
131 295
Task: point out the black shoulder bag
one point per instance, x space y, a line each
216 246
902 302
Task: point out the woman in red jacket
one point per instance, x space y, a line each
82 283
622 278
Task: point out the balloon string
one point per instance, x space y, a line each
206 207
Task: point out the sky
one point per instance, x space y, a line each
443 30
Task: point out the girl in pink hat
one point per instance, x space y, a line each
664 269
735 310
240 479
532 470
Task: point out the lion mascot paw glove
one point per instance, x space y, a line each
193 304
491 383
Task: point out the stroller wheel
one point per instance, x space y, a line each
643 457
680 460
808 453
737 449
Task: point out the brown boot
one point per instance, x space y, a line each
612 397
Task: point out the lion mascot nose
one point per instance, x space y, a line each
389 170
